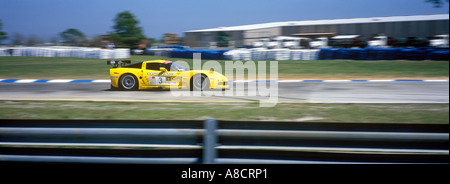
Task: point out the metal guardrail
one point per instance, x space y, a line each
218 142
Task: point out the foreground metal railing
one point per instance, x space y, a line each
220 142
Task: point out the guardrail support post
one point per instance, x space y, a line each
209 141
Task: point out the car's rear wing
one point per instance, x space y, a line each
116 63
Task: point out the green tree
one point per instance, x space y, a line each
18 39
437 3
3 35
33 40
126 31
72 37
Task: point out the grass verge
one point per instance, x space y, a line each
364 113
78 68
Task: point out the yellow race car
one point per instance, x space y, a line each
162 74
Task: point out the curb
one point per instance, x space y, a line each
53 81
24 81
316 81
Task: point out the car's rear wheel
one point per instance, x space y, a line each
128 82
200 83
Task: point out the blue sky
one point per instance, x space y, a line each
47 18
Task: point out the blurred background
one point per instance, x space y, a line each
359 81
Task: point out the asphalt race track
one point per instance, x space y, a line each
288 92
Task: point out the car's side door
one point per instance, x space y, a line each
158 74
150 73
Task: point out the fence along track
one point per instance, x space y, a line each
211 141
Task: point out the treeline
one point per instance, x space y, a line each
126 33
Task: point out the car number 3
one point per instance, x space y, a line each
160 80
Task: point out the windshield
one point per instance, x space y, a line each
176 67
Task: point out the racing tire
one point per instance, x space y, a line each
128 82
200 83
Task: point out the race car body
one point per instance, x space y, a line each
163 74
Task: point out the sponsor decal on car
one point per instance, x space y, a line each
160 74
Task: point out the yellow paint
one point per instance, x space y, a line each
179 79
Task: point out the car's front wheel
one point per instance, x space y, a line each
200 82
128 82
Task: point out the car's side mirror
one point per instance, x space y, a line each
162 69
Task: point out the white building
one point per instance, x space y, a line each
394 26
